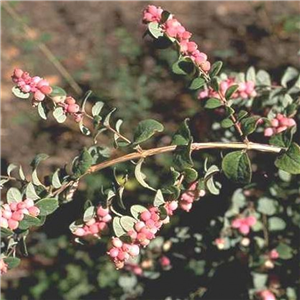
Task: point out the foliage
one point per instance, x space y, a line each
252 227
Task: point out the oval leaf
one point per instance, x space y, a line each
146 129
47 206
237 167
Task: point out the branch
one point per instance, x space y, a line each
194 147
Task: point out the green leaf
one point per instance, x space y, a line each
89 214
284 251
215 69
35 178
290 160
266 206
237 167
146 129
12 262
30 192
13 195
182 157
213 103
97 107
57 91
107 118
29 221
231 90
212 186
155 30
190 174
242 114
118 229
183 66
159 199
10 168
136 210
249 124
82 163
6 232
212 169
284 138
165 16
290 74
259 280
83 128
18 93
127 223
42 110
21 173
55 180
140 176
215 84
227 123
276 224
250 75
182 135
197 83
47 206
263 78
59 115
37 159
172 190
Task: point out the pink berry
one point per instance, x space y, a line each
13 224
165 261
94 228
117 242
79 232
3 222
18 73
113 252
102 212
274 254
73 108
139 225
107 218
70 100
6 214
46 89
251 220
268 132
244 229
39 96
134 250
102 226
28 203
17 216
145 215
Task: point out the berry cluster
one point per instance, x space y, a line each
243 224
173 29
121 251
143 232
71 108
3 266
190 195
36 85
95 226
245 90
279 124
152 14
170 207
11 214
